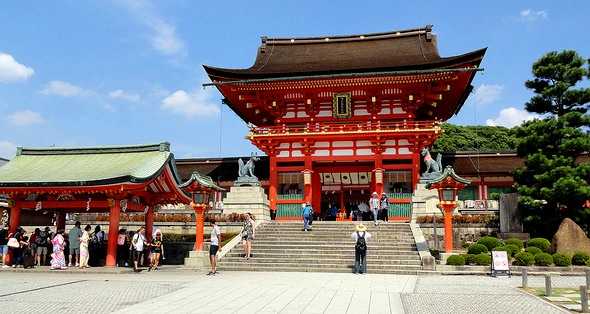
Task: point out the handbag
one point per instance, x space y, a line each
13 243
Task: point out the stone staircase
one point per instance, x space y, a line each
284 246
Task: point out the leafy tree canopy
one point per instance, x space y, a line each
553 184
475 138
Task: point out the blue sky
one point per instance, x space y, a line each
80 73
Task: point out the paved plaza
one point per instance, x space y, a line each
259 292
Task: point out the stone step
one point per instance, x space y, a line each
330 239
327 266
299 251
316 270
351 242
313 261
324 256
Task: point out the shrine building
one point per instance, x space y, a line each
342 116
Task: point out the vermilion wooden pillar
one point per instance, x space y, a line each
199 226
307 181
448 223
273 183
149 223
378 173
316 197
415 169
114 217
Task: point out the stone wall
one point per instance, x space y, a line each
462 233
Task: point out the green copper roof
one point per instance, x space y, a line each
86 166
447 172
203 180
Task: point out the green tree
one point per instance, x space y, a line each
475 138
554 184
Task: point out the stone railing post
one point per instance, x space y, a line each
584 298
547 285
525 278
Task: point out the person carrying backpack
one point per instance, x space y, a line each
360 236
42 243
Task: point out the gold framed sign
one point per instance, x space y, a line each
341 105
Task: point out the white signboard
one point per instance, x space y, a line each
500 260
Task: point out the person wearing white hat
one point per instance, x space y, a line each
360 236
375 206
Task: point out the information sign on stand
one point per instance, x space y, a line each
500 265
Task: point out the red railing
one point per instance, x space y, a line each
334 128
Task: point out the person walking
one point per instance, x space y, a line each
214 247
84 250
122 251
42 242
3 245
360 236
248 235
307 213
375 206
74 243
58 258
138 242
384 206
156 249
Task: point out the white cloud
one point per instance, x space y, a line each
24 118
163 36
194 104
12 71
529 15
123 95
7 149
488 93
510 117
64 89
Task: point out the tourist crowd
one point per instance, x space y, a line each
78 248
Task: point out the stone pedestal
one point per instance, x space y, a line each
247 199
197 260
425 201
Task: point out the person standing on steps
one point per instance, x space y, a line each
214 247
307 216
375 206
248 235
360 236
384 205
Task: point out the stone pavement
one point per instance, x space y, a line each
261 292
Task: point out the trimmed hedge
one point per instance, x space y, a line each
541 243
477 249
483 259
523 259
469 258
581 259
490 242
562 259
534 250
543 259
456 260
510 249
515 241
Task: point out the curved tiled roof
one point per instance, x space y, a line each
86 166
413 49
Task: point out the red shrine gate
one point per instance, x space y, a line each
342 116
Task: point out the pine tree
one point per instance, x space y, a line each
554 182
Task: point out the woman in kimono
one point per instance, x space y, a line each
84 252
58 259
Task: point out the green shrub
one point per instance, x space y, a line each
533 250
490 242
514 249
543 259
562 259
469 259
581 259
516 242
456 260
477 249
523 259
541 243
483 259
